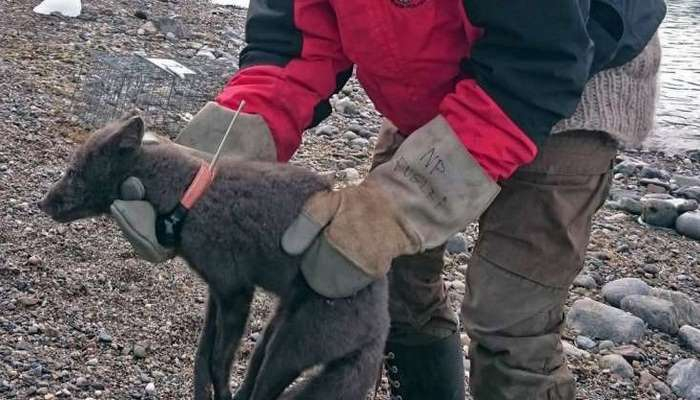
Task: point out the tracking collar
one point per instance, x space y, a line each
169 226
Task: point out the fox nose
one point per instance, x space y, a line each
50 203
42 205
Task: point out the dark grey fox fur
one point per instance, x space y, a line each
231 239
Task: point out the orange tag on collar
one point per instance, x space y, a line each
199 185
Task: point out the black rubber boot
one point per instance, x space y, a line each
428 372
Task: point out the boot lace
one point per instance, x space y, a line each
392 376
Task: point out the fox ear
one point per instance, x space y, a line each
128 136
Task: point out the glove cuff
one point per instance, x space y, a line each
136 219
250 138
436 183
337 276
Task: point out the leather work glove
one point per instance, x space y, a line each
250 139
430 189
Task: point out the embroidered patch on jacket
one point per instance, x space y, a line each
408 3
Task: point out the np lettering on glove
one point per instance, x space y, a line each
430 189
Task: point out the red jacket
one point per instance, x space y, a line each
501 72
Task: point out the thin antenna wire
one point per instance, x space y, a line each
228 131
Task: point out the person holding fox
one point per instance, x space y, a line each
509 113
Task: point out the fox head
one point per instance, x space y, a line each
97 169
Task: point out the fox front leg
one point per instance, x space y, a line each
202 372
232 313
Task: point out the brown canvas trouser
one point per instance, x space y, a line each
531 246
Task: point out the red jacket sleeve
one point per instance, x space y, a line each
490 136
292 64
526 72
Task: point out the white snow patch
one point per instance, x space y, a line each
69 8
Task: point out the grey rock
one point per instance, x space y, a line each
614 291
206 53
656 312
172 25
617 194
37 369
688 224
632 206
689 192
652 172
685 205
34 260
103 336
573 351
584 342
585 281
28 301
346 106
82 382
139 350
656 182
359 142
690 336
148 27
456 244
687 311
218 53
617 365
606 345
141 14
5 386
349 174
652 188
171 36
361 131
663 210
629 352
647 380
326 130
684 379
457 285
629 167
600 321
682 180
628 204
600 255
350 136
650 269
150 388
662 389
693 155
23 345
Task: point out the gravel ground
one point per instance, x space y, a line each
81 317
